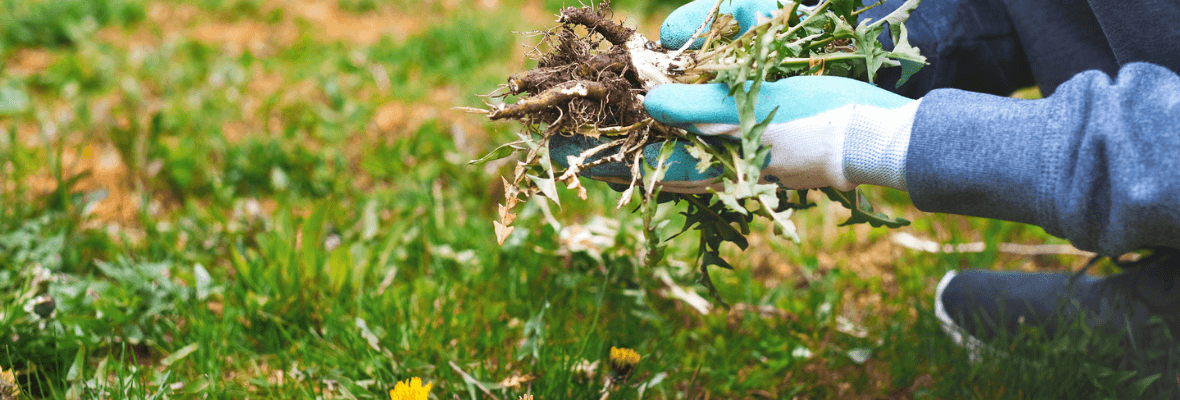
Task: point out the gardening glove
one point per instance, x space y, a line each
826 131
813 125
684 22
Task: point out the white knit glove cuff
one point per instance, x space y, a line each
875 145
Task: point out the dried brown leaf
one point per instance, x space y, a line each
502 232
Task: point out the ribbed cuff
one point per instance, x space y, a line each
875 145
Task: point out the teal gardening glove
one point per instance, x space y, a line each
827 131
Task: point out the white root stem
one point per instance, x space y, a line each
656 67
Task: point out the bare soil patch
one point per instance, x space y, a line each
108 181
28 61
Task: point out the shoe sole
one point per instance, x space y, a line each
974 346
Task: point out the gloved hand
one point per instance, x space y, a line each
827 131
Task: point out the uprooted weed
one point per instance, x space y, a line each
585 87
577 84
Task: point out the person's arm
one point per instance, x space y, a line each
1097 163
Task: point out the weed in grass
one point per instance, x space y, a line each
622 362
53 317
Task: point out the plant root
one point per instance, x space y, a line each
583 82
597 21
587 83
616 60
562 93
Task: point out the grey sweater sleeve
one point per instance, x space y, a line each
1097 163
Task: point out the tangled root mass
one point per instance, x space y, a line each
578 83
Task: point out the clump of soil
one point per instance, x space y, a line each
584 81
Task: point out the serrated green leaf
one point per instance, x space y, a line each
898 17
783 224
909 57
657 174
908 69
751 147
730 200
867 46
713 259
730 234
843 28
710 257
844 8
862 211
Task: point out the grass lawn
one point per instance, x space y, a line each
252 199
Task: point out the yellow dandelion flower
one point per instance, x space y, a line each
8 387
622 359
410 390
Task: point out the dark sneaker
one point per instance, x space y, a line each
978 307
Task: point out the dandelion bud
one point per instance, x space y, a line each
622 360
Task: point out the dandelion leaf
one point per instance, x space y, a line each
548 187
844 8
783 225
862 211
710 258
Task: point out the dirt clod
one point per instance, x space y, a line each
577 83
